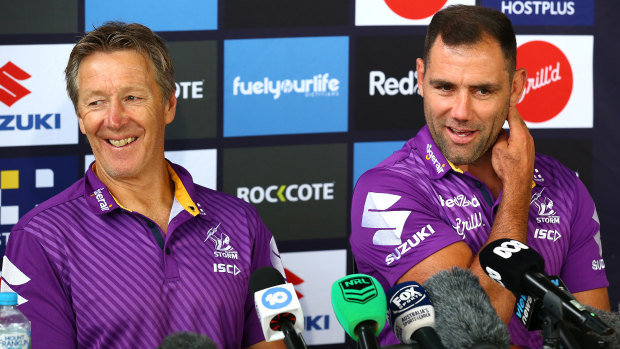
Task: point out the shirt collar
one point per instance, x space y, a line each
436 163
101 201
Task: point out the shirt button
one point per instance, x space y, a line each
167 251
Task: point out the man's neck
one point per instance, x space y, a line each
151 194
483 170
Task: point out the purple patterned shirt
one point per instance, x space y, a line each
92 274
415 203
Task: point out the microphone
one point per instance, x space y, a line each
411 315
359 304
277 307
613 320
465 316
187 340
520 269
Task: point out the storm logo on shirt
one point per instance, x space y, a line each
431 156
102 203
222 244
546 213
406 246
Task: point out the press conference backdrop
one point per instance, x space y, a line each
285 103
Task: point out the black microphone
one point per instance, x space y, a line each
412 316
611 341
277 307
465 317
520 269
187 340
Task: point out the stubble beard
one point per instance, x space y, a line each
464 154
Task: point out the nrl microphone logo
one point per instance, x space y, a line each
222 244
359 289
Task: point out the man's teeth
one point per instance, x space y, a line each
461 133
121 142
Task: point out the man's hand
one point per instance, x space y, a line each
513 155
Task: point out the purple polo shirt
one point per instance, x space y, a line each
415 203
92 274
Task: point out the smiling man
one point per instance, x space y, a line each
462 182
132 252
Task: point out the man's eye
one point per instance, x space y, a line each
483 91
94 103
132 98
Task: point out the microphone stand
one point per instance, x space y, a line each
555 334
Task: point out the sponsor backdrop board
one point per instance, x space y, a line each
195 75
312 273
286 105
300 191
26 182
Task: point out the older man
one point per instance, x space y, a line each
134 250
462 182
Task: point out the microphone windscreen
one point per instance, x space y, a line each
187 340
265 277
358 298
612 319
506 261
464 316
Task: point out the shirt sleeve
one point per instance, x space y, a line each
265 253
395 224
29 271
584 268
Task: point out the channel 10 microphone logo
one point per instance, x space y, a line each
276 298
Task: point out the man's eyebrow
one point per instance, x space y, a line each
487 86
440 82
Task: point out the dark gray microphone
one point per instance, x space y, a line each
464 316
187 340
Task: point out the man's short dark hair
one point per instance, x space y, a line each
467 25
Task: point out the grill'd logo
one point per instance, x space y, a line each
415 9
550 81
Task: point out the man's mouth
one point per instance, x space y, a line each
121 142
461 133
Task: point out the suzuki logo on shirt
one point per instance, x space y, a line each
460 201
12 91
222 244
412 242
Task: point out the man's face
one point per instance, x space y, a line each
466 92
121 112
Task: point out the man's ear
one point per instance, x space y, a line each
81 123
519 80
170 109
419 67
